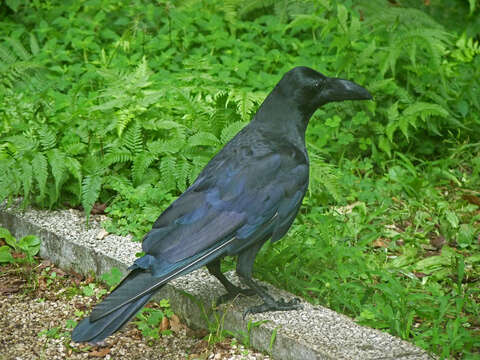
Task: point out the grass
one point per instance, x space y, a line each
402 257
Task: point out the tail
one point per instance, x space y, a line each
117 308
135 291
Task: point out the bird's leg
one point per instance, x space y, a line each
232 290
244 271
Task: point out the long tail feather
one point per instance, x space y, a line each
116 309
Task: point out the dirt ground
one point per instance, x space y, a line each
38 309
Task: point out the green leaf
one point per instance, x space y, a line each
333 122
466 235
56 159
203 139
385 145
27 180
30 245
90 191
452 218
40 173
9 239
6 255
14 4
113 277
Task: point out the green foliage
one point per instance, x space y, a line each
112 278
149 320
28 245
123 103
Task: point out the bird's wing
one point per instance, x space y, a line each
231 201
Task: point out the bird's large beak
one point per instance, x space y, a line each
341 89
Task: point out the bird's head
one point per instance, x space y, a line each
310 89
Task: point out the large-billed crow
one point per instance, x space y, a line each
248 193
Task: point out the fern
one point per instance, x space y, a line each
118 155
27 180
40 171
75 169
168 172
133 139
162 147
123 120
91 186
120 184
56 160
203 139
424 110
231 130
409 30
17 69
246 102
47 138
183 171
140 164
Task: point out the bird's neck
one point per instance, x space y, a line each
280 117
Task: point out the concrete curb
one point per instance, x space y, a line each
310 333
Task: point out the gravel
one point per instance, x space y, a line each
29 307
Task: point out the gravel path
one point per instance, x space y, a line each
31 304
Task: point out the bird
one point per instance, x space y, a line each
248 193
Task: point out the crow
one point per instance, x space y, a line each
248 193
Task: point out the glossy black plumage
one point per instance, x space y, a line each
248 193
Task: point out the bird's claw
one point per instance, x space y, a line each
279 305
232 295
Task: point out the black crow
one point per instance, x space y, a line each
248 193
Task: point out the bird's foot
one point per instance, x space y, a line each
232 294
272 305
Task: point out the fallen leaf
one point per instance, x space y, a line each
380 242
102 234
437 241
165 324
420 274
472 199
98 208
175 323
101 352
9 290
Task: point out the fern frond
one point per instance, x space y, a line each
324 178
9 185
183 171
56 160
231 130
17 68
120 184
162 147
168 172
47 138
75 168
246 102
198 163
166 125
203 139
118 155
133 139
140 164
27 180
91 187
18 49
424 110
40 171
123 120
